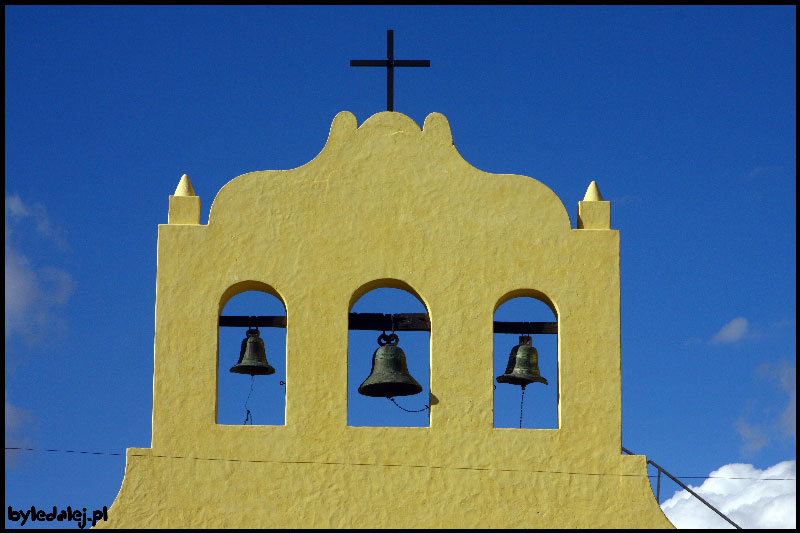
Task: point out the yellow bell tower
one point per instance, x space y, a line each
463 242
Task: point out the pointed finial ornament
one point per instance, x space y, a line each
593 211
184 205
185 187
593 193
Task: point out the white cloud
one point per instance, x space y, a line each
15 416
789 416
751 503
755 437
624 200
733 331
16 210
31 293
784 323
784 375
771 421
21 287
17 421
763 172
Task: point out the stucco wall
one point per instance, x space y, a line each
386 204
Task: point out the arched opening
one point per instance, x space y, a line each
242 398
537 406
399 411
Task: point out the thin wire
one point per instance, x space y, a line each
63 451
383 464
520 407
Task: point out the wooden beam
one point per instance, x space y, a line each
384 322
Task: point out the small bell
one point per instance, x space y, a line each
252 357
389 376
523 364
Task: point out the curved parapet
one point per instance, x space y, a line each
389 157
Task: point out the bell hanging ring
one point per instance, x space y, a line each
523 364
253 357
389 376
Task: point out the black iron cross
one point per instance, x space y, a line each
390 62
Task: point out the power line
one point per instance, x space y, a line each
62 451
383 464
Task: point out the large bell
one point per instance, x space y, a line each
252 357
523 364
389 375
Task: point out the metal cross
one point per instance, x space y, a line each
390 62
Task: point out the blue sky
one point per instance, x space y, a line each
685 116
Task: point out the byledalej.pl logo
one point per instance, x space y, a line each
68 515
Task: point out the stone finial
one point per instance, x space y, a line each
184 205
185 187
593 211
593 193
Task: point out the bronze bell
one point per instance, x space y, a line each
252 357
523 364
389 376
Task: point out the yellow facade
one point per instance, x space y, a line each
386 204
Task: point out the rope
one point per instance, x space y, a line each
407 410
249 415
